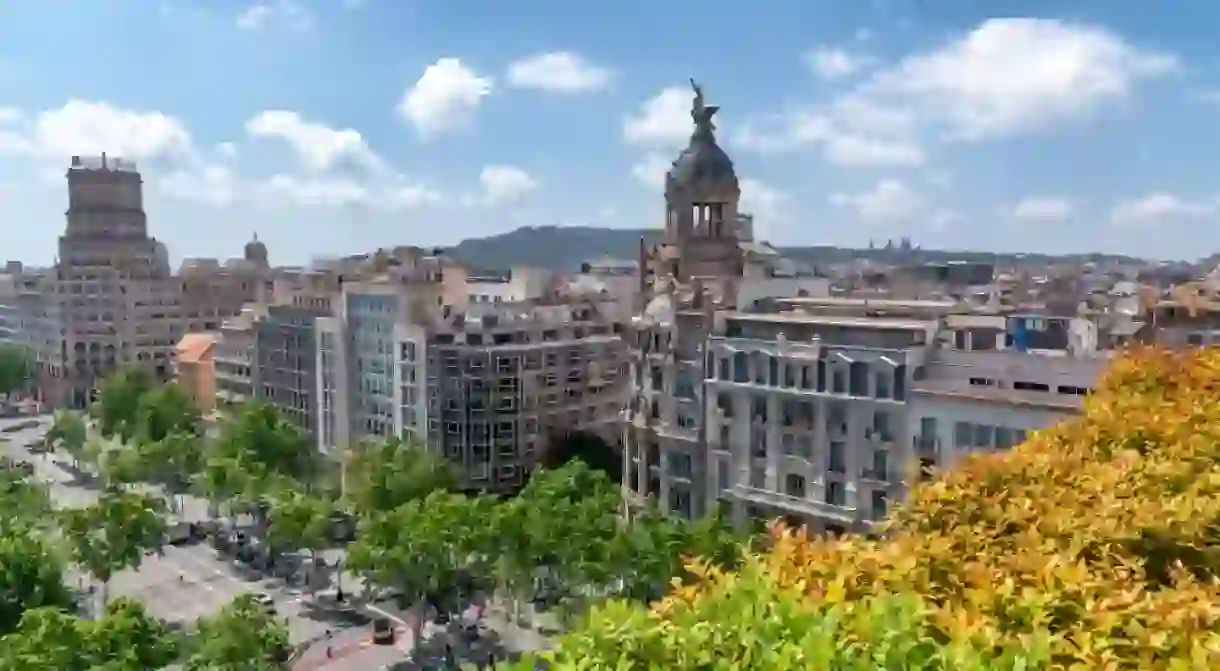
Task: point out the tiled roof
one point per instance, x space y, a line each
194 347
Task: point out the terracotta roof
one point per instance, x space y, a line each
195 346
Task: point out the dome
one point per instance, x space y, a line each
256 251
703 162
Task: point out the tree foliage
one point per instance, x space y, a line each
113 534
31 576
68 431
297 520
267 445
118 402
1092 545
590 448
244 635
162 411
17 367
385 474
127 638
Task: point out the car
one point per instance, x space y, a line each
180 533
383 631
264 599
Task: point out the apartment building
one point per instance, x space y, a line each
286 358
195 369
234 357
504 381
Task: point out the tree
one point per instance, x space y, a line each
68 431
588 447
1092 545
297 520
127 638
25 504
382 475
244 635
118 402
31 576
173 460
162 411
266 444
113 534
17 368
421 547
222 482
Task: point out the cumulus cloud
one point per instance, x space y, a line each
444 98
1043 209
834 63
888 201
319 147
663 120
558 72
288 14
1158 208
505 183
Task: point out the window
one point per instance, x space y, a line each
834 494
794 485
836 459
881 384
984 435
722 474
880 504
838 381
773 371
963 434
880 469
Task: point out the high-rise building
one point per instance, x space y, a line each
111 300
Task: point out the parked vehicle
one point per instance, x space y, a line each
383 631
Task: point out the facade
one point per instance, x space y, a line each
286 355
234 358
333 419
504 381
111 301
195 369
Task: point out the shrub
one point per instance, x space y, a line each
1094 545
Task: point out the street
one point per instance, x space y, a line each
186 582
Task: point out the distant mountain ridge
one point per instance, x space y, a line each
566 247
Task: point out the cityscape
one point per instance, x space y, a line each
682 445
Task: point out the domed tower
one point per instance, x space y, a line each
256 252
701 196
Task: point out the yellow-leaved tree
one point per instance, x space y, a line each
1094 545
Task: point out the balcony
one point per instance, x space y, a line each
792 504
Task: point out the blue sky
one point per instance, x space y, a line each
336 126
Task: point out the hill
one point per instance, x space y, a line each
566 247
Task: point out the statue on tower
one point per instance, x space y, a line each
701 113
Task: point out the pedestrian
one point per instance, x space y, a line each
329 652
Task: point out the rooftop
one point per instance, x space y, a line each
878 323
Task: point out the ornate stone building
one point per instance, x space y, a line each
693 272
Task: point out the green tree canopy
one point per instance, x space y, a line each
385 474
242 636
118 402
68 431
162 411
17 368
31 576
266 444
297 520
113 534
125 639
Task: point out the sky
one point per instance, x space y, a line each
330 127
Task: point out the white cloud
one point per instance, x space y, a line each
227 151
888 201
559 72
90 128
770 206
858 150
1012 75
319 147
444 98
273 13
664 120
10 115
505 183
391 196
650 171
852 134
1043 210
833 63
1157 208
215 185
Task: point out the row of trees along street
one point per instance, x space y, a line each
563 539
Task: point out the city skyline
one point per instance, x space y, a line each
372 124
